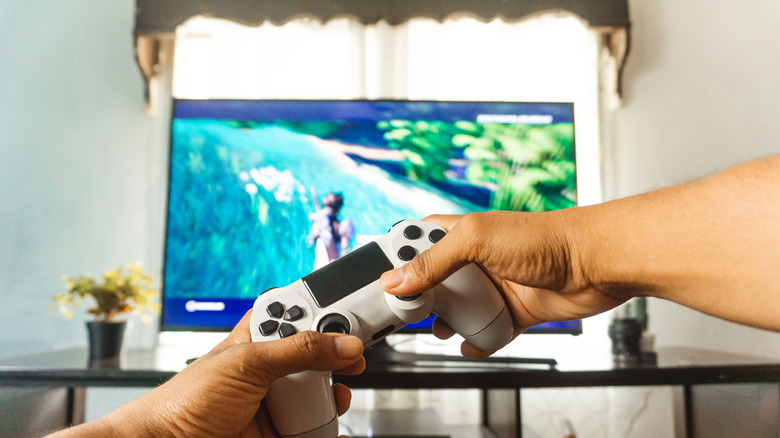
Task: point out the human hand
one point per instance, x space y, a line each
221 393
529 257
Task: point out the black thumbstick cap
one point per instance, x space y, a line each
409 297
334 323
436 235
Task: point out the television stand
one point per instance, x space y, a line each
383 353
393 423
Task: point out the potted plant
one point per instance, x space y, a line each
127 288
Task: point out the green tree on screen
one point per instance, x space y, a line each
526 167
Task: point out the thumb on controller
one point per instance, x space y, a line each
428 268
305 351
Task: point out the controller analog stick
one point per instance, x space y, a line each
408 297
334 323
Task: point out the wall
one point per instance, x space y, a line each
701 94
80 161
80 158
75 148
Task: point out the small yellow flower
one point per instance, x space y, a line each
123 289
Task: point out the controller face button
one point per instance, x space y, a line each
294 313
287 330
436 235
409 297
412 232
275 309
334 323
267 328
406 253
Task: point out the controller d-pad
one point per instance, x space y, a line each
294 313
436 235
275 309
412 232
287 330
406 253
268 328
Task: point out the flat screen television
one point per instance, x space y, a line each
247 178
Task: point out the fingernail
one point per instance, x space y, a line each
391 279
348 347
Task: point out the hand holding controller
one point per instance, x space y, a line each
345 297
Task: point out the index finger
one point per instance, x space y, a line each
239 335
446 221
240 332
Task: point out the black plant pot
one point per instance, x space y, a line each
625 334
105 339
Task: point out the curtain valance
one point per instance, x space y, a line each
163 16
157 20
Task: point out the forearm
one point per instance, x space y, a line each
101 427
137 418
712 245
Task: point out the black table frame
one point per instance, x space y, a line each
500 385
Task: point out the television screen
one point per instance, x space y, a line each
262 192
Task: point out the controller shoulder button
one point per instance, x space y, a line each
406 253
412 232
294 313
275 309
287 330
392 226
268 328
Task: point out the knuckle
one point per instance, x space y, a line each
421 267
245 363
308 343
470 221
472 234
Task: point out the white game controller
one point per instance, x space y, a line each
345 297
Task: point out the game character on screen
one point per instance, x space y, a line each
332 236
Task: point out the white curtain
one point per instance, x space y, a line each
550 58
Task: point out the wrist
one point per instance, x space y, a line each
592 239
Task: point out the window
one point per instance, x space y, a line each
549 58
